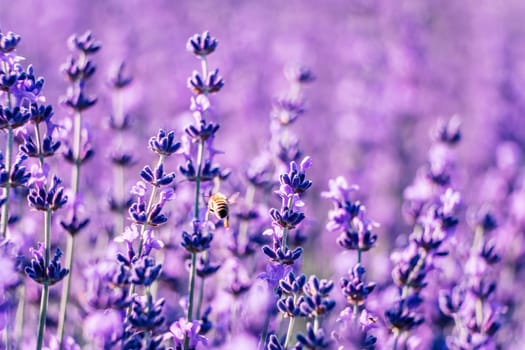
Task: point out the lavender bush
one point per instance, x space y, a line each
262 175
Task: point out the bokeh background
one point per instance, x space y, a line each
386 72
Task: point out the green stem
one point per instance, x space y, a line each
8 156
77 140
289 332
20 314
396 341
39 144
413 274
285 230
66 287
264 333
152 197
356 314
316 324
290 327
359 253
75 181
479 234
200 155
191 288
7 189
45 291
201 297
479 312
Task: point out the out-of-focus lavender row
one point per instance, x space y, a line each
310 175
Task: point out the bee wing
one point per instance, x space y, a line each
233 197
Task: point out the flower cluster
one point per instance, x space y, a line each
139 268
432 204
472 302
292 185
348 218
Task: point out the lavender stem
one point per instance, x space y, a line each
77 139
45 291
285 230
39 144
65 290
144 226
290 327
7 190
8 158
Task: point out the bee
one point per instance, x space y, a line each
219 205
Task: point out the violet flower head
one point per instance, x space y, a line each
354 288
450 302
299 74
75 225
205 268
296 177
182 330
8 42
40 273
402 317
157 177
19 176
348 217
197 241
84 43
202 44
274 273
146 313
140 214
313 339
204 132
212 84
282 254
274 343
77 100
287 111
315 301
289 306
291 284
449 131
13 118
164 143
76 70
145 271
43 199
118 78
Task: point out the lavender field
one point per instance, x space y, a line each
270 175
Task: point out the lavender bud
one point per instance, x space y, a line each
202 45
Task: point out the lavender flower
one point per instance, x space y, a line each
182 330
40 273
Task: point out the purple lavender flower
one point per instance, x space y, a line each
354 288
44 199
182 330
313 339
40 273
202 45
8 42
